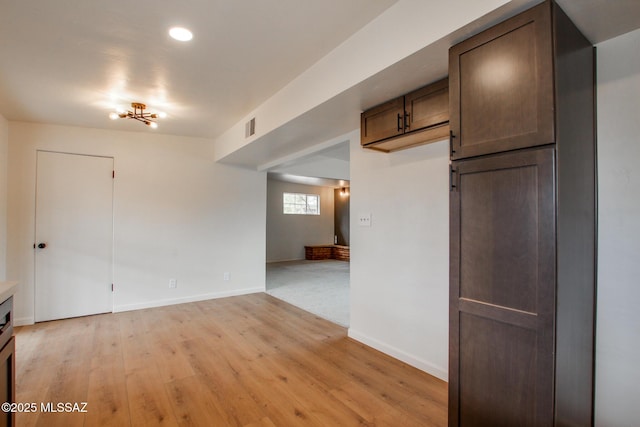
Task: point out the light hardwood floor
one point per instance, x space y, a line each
243 361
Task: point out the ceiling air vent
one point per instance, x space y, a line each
250 128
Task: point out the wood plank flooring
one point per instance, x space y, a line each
245 361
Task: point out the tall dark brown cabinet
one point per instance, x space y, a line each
522 224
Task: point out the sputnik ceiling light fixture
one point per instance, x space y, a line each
138 114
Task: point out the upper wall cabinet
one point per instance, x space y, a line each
417 118
501 87
382 122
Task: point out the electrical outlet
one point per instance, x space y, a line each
227 276
364 220
173 283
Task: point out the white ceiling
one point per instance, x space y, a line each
71 62
601 20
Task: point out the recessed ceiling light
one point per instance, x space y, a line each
181 34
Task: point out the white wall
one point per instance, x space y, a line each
4 153
400 265
618 317
319 166
287 235
176 215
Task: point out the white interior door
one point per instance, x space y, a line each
74 235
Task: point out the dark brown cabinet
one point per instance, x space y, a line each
522 226
417 118
502 289
7 384
382 122
501 87
7 361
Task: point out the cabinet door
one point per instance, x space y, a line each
502 281
382 122
7 380
501 86
428 106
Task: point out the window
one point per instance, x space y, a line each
301 204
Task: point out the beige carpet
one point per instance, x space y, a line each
319 287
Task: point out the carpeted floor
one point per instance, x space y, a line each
320 287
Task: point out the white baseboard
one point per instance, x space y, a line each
23 321
409 359
285 260
182 300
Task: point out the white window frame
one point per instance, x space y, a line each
302 207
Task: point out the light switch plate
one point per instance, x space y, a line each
364 220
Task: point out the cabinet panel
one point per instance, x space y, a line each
498 374
498 79
7 380
428 106
6 321
501 87
496 203
382 122
502 293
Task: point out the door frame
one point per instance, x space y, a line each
35 210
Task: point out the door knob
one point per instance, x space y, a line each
42 245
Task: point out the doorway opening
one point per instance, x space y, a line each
307 242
